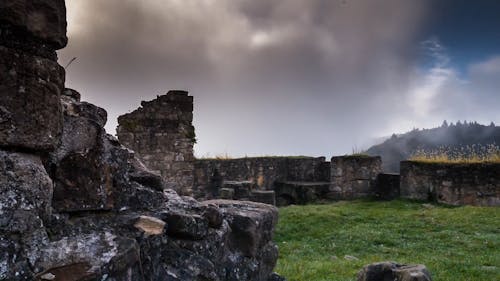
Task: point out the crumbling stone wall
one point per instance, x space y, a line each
261 173
454 184
354 176
75 204
162 135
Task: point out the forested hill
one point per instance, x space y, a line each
400 147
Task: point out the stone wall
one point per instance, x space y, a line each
261 172
454 184
162 135
354 176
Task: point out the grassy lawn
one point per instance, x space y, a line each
455 243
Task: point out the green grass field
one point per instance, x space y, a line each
455 243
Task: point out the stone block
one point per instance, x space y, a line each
263 196
241 189
213 216
226 193
93 256
394 272
30 106
251 224
43 19
150 225
26 191
185 226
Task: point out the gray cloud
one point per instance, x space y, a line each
269 77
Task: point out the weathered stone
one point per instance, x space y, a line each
453 184
186 226
263 196
391 271
226 193
250 223
150 225
101 223
30 108
43 19
213 216
87 256
13 265
356 176
162 135
276 277
26 193
300 192
260 172
139 173
241 189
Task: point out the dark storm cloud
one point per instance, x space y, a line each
269 77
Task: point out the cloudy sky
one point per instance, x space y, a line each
291 77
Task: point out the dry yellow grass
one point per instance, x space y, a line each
466 154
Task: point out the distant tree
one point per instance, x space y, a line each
394 136
492 124
445 124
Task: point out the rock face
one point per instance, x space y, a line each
162 135
391 271
77 205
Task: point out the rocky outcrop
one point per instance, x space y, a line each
392 271
77 205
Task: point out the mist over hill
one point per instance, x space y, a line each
401 147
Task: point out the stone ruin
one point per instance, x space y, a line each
162 135
453 184
77 205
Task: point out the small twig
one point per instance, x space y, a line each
70 62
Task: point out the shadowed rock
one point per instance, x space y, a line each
391 271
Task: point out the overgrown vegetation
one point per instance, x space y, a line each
465 154
400 147
333 242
